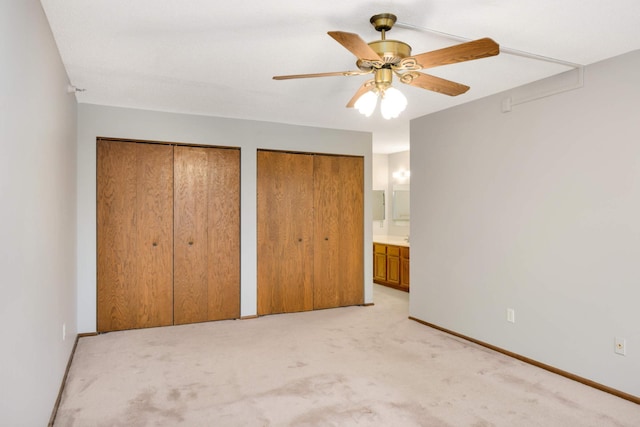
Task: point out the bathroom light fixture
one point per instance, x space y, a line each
401 174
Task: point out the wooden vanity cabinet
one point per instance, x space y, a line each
391 266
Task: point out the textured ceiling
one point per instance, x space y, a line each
218 58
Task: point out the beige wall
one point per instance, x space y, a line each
536 210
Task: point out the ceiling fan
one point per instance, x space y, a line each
385 57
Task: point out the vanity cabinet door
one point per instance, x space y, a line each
379 262
404 268
393 265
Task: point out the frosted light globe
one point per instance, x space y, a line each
367 103
393 103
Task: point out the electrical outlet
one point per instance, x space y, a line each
64 331
620 346
511 315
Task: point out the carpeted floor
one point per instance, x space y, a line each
353 366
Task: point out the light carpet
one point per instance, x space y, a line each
352 366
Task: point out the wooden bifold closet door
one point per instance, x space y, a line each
310 231
168 234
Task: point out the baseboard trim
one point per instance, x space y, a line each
368 304
569 375
52 419
253 316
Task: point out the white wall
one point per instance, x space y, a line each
537 210
94 121
37 216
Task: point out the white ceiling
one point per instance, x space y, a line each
218 58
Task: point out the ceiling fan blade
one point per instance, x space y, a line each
366 86
476 49
336 73
433 83
354 44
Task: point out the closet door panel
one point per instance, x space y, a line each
134 223
224 233
155 236
327 188
190 235
351 210
116 216
207 234
285 232
339 231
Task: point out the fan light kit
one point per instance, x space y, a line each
383 58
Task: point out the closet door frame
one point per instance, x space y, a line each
324 236
230 271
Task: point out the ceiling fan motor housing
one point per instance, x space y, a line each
391 51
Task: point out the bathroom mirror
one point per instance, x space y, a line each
401 202
378 205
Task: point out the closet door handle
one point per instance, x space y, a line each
190 243
326 238
155 243
299 239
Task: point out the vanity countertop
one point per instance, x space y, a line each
391 240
